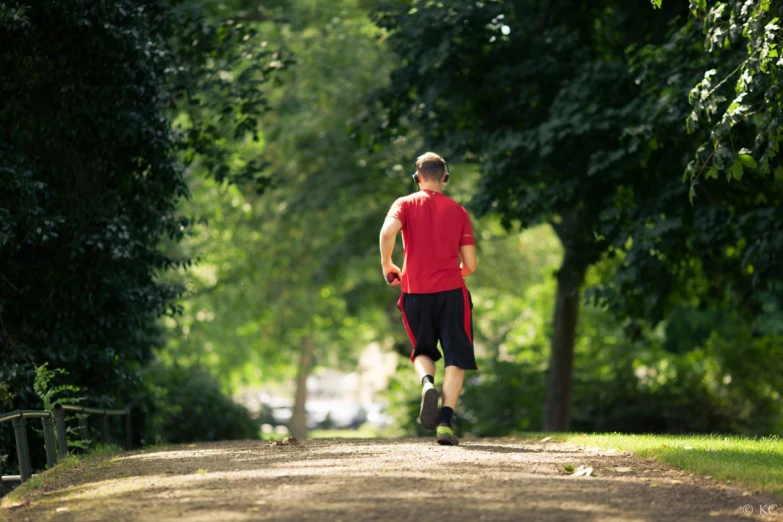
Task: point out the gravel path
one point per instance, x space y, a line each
383 480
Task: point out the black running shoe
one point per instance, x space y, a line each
428 415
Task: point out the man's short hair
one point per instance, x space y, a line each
431 166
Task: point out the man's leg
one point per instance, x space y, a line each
452 386
456 330
422 333
424 366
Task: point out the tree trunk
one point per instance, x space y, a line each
557 415
299 416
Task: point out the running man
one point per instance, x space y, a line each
440 252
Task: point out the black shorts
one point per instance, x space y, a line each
443 316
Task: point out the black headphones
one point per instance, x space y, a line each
417 179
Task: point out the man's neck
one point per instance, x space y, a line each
432 186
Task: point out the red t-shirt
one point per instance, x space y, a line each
434 227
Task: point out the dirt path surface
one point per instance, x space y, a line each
384 480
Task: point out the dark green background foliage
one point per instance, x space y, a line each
90 188
725 244
187 404
738 97
90 185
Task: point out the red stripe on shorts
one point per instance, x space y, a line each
407 326
466 303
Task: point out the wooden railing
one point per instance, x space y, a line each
49 420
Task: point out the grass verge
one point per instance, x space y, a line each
56 474
755 463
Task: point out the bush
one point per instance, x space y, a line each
187 405
503 398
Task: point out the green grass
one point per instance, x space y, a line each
62 467
755 463
100 451
38 481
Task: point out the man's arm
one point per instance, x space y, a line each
467 246
469 262
389 231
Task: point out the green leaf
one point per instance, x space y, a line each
737 170
746 159
657 3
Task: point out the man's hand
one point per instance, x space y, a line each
392 274
391 227
469 262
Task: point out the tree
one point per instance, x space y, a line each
720 250
90 187
92 174
220 90
540 95
738 102
284 281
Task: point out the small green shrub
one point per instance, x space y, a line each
187 404
51 394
